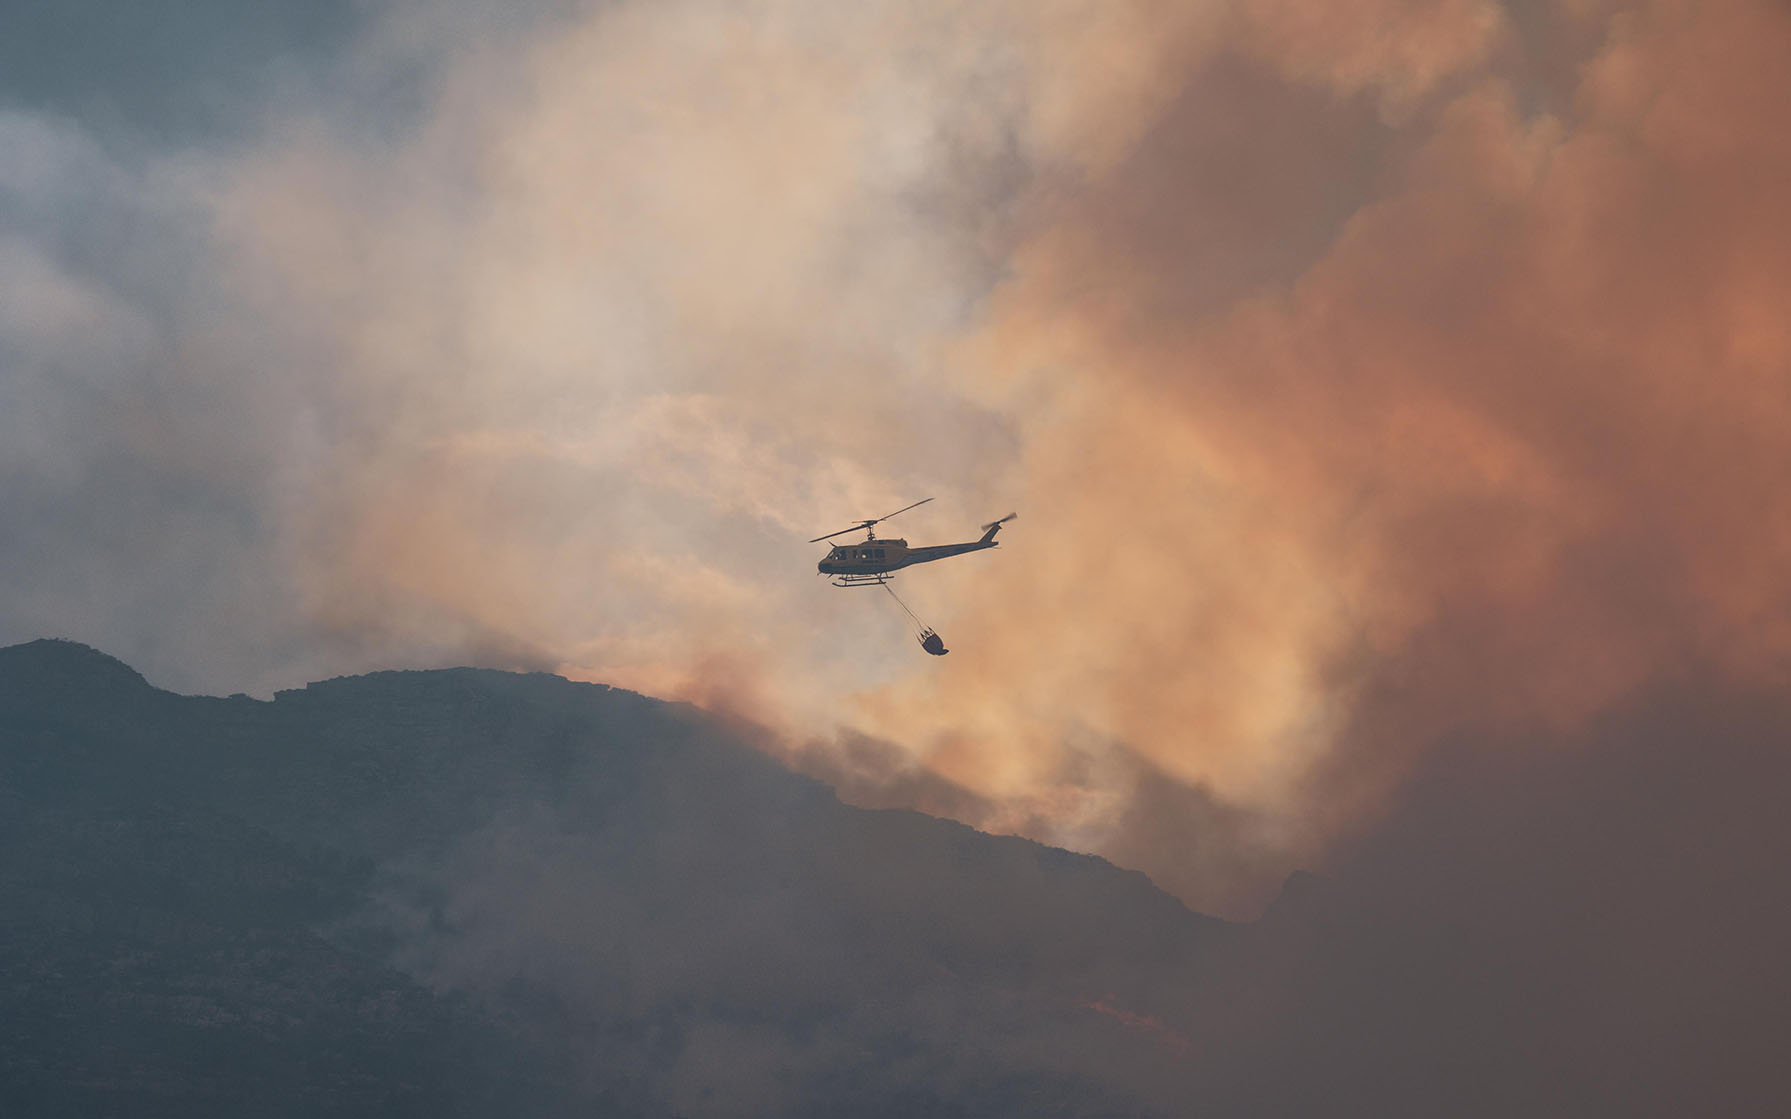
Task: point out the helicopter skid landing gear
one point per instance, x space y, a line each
863 580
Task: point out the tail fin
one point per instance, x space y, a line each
993 527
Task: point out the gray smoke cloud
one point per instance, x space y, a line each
1363 376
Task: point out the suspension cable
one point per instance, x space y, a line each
905 610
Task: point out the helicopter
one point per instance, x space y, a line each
872 562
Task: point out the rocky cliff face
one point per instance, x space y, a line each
477 892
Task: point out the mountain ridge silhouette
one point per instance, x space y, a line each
498 852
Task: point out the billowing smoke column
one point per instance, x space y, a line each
1366 375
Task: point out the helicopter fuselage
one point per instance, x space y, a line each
880 557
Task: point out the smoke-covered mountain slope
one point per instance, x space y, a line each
477 893
474 892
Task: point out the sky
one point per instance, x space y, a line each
1371 379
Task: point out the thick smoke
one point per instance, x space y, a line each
1364 375
1494 444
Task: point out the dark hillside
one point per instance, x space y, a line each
434 891
478 893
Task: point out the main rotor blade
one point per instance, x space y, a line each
868 524
842 532
903 509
